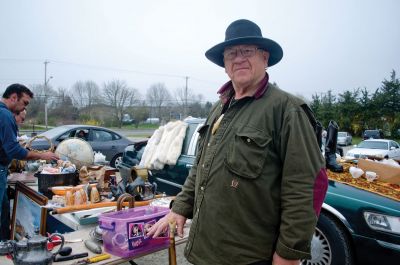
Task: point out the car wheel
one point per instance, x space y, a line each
330 244
116 161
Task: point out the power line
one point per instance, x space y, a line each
18 79
21 60
117 69
100 67
93 66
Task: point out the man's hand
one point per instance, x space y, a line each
162 224
45 156
49 156
278 260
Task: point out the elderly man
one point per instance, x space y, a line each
15 99
259 180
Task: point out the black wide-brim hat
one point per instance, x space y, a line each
244 31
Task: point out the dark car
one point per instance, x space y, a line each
355 226
171 178
373 134
108 142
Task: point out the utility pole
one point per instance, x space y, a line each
186 96
45 91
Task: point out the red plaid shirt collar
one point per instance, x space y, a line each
226 91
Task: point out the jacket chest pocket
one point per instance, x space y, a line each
247 153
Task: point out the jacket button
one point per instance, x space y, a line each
248 140
202 188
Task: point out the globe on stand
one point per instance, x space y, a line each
76 150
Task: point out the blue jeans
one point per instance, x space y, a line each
5 205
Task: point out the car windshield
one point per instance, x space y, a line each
373 145
54 132
341 134
371 133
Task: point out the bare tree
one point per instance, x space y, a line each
63 111
78 94
182 96
41 92
158 96
188 103
36 106
119 96
85 95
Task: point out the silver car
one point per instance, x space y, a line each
344 138
108 142
380 148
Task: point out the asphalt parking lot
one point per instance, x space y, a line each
346 148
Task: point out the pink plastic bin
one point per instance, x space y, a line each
124 232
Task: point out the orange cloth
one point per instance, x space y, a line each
389 190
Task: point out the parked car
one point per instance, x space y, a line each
339 149
380 148
108 142
126 119
373 134
355 226
153 120
344 138
171 178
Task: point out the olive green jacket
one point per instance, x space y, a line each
257 185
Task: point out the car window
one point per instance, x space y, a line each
52 133
341 134
193 142
189 132
373 145
368 132
372 133
393 144
80 133
99 135
115 136
65 135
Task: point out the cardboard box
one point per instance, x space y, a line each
386 173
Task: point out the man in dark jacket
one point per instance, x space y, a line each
15 99
259 180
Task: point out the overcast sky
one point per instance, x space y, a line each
333 45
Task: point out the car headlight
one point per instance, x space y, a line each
383 222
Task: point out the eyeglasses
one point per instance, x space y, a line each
246 52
